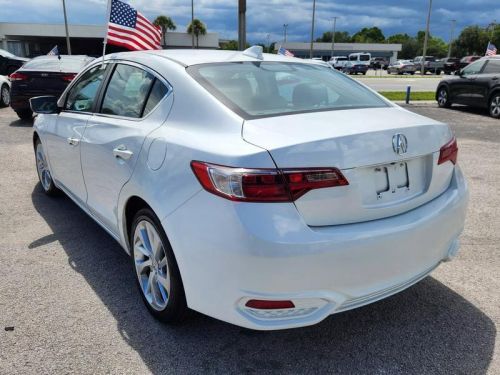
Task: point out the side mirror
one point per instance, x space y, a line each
44 104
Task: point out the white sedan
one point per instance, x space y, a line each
4 91
262 190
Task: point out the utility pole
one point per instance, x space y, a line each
68 45
192 26
452 31
242 37
333 33
285 26
426 39
312 30
268 45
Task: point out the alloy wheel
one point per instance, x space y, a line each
495 106
443 97
5 95
151 265
42 168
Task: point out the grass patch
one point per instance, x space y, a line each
415 95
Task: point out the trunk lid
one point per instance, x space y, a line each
359 142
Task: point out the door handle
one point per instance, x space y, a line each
73 141
494 79
122 152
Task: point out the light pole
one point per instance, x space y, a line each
68 45
426 39
242 40
268 38
452 31
312 30
192 26
333 33
285 26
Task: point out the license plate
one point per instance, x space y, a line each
391 180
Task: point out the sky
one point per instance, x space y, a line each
268 16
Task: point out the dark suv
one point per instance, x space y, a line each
478 85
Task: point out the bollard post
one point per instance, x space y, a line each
408 92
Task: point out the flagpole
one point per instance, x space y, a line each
105 42
68 45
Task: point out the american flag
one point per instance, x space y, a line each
283 51
130 29
491 50
53 52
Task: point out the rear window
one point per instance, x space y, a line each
263 89
341 58
364 58
53 64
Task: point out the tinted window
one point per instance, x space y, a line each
158 91
82 95
52 63
127 91
492 67
473 68
364 57
276 88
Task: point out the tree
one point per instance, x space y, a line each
340 37
230 45
197 28
369 35
166 23
473 40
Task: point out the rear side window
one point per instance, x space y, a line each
127 92
158 91
364 57
83 94
492 67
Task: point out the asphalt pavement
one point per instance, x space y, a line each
68 302
386 83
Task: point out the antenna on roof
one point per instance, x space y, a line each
255 52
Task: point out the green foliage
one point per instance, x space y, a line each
401 95
473 40
197 28
340 37
369 35
413 46
231 45
166 23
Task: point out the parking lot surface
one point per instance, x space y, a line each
68 302
387 83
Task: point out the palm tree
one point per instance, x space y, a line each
166 23
197 28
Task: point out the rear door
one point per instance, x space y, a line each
114 136
488 77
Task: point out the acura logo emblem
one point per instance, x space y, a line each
399 144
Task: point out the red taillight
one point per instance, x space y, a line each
18 77
69 77
264 185
449 152
269 305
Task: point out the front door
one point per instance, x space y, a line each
113 138
465 90
64 135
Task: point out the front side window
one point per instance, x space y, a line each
262 89
83 94
474 68
127 92
493 67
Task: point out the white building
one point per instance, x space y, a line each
30 40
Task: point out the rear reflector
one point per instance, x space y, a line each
18 76
264 185
449 152
269 305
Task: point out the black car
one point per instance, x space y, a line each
451 65
476 85
44 75
379 63
10 63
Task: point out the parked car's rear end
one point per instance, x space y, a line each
45 75
451 65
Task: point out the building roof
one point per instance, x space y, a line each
351 47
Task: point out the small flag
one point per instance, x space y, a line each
130 29
53 52
491 50
283 51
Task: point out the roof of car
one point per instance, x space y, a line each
188 57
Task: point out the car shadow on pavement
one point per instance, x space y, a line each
426 329
21 123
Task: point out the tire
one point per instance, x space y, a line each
438 72
157 274
4 96
25 114
42 168
494 105
443 97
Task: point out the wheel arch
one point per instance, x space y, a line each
133 205
440 86
494 90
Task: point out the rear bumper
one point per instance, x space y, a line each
21 100
265 251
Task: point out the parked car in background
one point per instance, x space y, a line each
379 63
291 192
44 75
4 91
431 64
9 62
477 85
451 65
466 60
358 63
338 62
402 67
